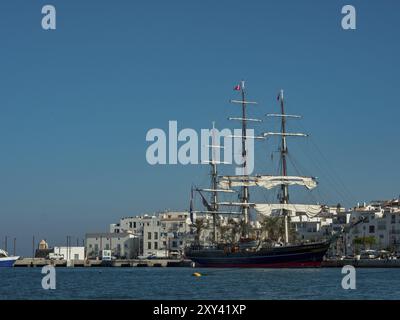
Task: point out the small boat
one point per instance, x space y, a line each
6 260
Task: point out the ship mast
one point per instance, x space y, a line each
214 184
284 198
244 200
212 206
245 189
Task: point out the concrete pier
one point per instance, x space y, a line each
40 262
362 263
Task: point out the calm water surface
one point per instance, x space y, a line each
178 283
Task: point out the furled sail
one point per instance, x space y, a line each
226 182
270 182
311 210
267 182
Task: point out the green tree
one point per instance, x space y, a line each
200 225
366 242
273 229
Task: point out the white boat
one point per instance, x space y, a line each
6 260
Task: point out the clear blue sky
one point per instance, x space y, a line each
76 103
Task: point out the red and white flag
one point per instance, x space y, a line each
237 88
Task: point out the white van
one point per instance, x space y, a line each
56 256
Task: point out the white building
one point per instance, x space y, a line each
174 231
71 253
163 234
122 245
311 229
380 230
319 227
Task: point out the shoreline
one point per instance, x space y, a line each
152 263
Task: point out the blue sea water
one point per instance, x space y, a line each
178 283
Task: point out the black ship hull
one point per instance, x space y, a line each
297 256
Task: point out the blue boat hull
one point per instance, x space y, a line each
7 262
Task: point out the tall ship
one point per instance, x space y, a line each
247 247
6 260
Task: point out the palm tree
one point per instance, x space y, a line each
225 233
200 225
273 228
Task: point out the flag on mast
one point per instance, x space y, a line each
237 87
280 95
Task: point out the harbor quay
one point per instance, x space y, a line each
40 262
159 239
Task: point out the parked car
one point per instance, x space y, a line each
369 254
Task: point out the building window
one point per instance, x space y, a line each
164 243
156 245
174 244
148 245
149 235
130 225
134 224
155 235
371 229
